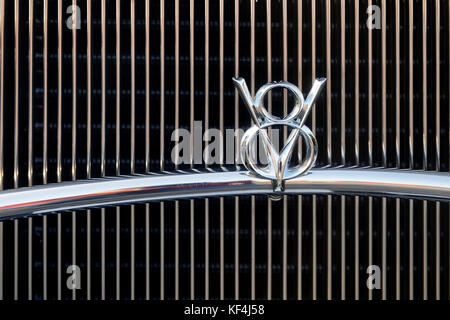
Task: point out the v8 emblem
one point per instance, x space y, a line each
278 168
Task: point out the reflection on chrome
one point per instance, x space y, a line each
185 185
278 169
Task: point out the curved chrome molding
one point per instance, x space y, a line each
170 186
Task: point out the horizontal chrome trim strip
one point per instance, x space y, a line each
83 194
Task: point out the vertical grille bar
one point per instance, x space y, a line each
384 142
411 143
328 83
397 249
30 140
424 84
89 138
438 143
118 144
16 142
285 78
221 85
74 92
74 248
147 142
162 250
357 84
370 141
397 145
177 111
314 215
132 142
236 126
59 129
343 82
411 82
357 147
343 286
206 128
383 83
103 139
89 88
252 76
44 168
269 202
329 148
161 141
162 58
370 88
300 199
191 142
59 138
424 141
89 135
133 86
425 250
74 128
16 124
2 58
397 83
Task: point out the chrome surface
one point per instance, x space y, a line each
102 100
132 189
2 107
278 169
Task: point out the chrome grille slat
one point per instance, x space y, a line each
74 133
384 143
191 143
147 145
252 90
313 121
300 199
177 126
370 138
357 150
89 135
2 59
425 147
118 226
438 141
329 146
236 126
411 143
59 137
343 146
397 147
221 144
269 103
161 141
206 115
16 142
30 139
281 257
285 112
133 140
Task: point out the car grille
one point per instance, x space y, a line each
103 100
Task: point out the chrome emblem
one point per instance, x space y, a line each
278 169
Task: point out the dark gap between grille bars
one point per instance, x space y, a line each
245 60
